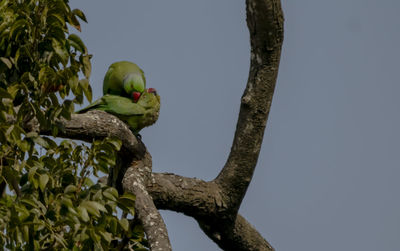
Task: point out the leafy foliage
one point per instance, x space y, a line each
51 201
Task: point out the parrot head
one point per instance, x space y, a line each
148 98
134 82
137 95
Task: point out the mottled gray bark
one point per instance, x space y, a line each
213 204
95 125
265 22
203 201
135 180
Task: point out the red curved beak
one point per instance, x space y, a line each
152 90
136 96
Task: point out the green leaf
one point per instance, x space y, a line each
57 33
33 169
127 202
97 196
87 66
47 76
117 143
73 211
56 16
83 213
6 61
124 223
74 21
32 134
67 202
77 43
128 196
44 178
84 83
80 14
73 84
54 100
40 141
111 193
60 50
9 130
17 27
13 89
25 232
88 182
106 236
23 213
67 109
93 207
113 225
70 189
24 145
138 231
29 202
5 94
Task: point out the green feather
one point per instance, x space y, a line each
123 78
136 115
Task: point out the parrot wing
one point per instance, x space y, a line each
116 105
121 106
92 106
107 80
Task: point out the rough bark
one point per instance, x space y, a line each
95 125
265 22
134 181
203 201
213 204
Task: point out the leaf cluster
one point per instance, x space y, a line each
59 206
48 199
40 62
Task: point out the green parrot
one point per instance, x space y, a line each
125 79
137 115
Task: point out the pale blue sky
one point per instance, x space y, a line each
328 173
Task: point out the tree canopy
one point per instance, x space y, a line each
52 201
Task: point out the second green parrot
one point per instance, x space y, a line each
125 79
136 115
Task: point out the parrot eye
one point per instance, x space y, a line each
135 96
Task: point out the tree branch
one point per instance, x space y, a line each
239 236
134 181
191 196
202 201
265 22
95 125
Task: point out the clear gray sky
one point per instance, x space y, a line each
329 169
